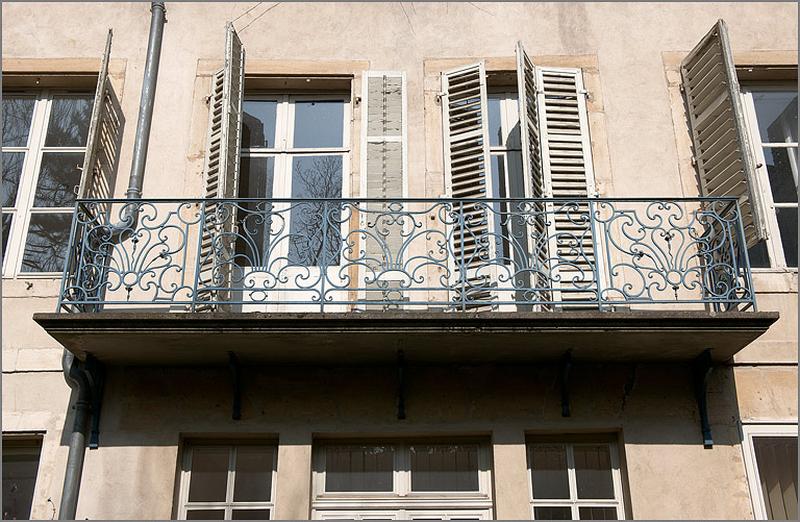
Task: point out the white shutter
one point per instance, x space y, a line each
467 173
568 173
384 177
217 249
105 129
721 149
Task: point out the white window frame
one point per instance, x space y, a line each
573 502
777 258
23 208
184 506
402 503
761 429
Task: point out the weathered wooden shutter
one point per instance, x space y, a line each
384 164
721 149
568 174
222 174
467 173
536 270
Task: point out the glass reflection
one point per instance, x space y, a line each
776 112
17 116
69 121
258 123
46 244
59 176
12 171
318 124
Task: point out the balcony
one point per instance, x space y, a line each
445 279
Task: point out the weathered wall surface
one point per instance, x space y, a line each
640 148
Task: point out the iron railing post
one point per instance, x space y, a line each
198 254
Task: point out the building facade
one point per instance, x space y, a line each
400 260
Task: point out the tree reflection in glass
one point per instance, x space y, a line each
69 121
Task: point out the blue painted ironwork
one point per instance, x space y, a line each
444 254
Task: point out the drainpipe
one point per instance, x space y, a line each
80 376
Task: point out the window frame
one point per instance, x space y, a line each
573 502
777 257
761 429
228 505
24 208
401 502
23 443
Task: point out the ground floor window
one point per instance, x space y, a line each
770 452
402 480
20 466
227 482
575 479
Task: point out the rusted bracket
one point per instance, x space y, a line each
233 364
566 366
401 385
701 370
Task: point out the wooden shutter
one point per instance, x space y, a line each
467 173
568 174
222 173
105 130
384 175
721 149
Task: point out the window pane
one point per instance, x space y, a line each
787 223
251 514
60 173
311 243
12 171
255 219
7 218
256 177
258 123
253 481
593 471
17 116
359 468
549 472
597 513
776 458
495 123
444 467
781 179
552 513
205 514
776 112
758 255
69 121
19 478
318 124
209 475
47 242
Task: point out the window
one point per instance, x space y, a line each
294 146
44 143
20 465
417 480
224 482
770 455
772 124
575 481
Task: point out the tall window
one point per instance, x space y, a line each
770 454
228 482
44 141
20 466
402 480
575 481
772 122
294 147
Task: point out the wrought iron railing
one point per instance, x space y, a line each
331 255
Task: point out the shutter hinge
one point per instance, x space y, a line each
208 99
440 95
682 88
694 161
357 100
586 93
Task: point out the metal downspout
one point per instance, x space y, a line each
75 371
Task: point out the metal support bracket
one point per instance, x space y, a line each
233 364
565 367
96 377
401 385
701 370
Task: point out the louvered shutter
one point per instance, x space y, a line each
217 248
467 172
383 147
568 174
536 268
721 149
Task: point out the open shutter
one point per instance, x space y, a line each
467 173
568 174
384 168
721 151
217 248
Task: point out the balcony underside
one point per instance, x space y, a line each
162 338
